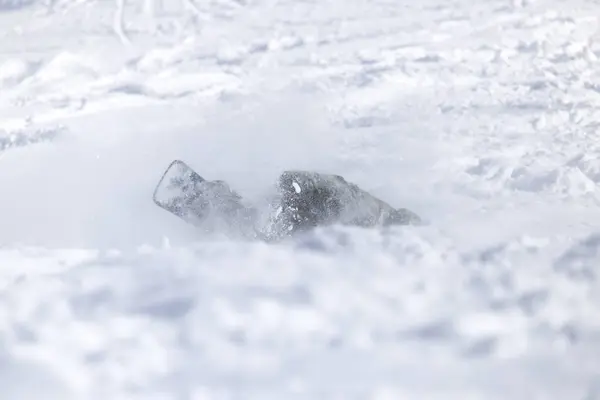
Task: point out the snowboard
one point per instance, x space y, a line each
211 206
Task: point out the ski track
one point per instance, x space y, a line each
481 117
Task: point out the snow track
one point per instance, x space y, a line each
480 117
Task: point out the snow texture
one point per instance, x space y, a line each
482 117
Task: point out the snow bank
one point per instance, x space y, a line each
267 320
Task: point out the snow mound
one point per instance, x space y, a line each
589 164
67 66
14 71
285 43
231 55
566 181
495 172
577 178
160 58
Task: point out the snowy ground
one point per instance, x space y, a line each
483 117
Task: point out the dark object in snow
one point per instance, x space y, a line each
304 200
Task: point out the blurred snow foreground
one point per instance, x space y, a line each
481 117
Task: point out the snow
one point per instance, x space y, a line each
481 117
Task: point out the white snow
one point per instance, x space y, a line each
482 117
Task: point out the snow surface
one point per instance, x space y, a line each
483 117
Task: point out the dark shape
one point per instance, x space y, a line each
304 200
209 205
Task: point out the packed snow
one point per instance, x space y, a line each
482 117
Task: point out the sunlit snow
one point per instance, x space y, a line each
482 117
